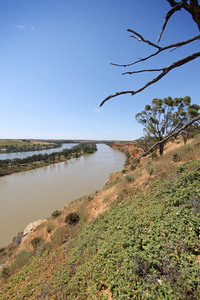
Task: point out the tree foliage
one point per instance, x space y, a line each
165 116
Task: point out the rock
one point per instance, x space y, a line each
32 226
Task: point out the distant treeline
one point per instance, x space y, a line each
27 147
76 151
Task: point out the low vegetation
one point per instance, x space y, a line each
146 246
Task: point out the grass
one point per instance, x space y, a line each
163 165
13 143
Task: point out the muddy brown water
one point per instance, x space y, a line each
32 195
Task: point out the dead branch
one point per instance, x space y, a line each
193 8
175 8
139 37
175 133
195 11
142 71
185 6
175 46
164 72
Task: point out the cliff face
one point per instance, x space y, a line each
127 147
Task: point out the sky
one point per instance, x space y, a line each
55 69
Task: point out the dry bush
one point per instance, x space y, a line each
124 190
163 165
72 218
60 236
37 242
50 227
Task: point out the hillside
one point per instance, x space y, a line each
137 238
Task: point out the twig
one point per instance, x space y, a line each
164 72
139 37
141 71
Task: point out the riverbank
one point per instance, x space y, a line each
118 242
11 166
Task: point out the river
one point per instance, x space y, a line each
32 195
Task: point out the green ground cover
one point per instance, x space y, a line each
146 248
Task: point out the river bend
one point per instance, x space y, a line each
32 195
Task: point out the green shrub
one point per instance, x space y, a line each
11 250
128 156
154 155
149 169
129 178
60 236
56 214
49 228
36 242
197 136
187 148
5 272
134 164
22 259
176 157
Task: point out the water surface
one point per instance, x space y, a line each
32 195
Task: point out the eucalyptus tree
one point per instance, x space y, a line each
186 113
164 116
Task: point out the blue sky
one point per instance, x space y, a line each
55 66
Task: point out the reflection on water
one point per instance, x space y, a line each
35 194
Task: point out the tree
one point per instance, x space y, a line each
186 113
193 8
165 116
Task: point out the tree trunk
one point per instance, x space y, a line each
185 137
161 148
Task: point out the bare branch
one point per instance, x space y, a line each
195 11
176 7
139 37
164 72
115 95
174 3
168 137
141 71
193 8
176 45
